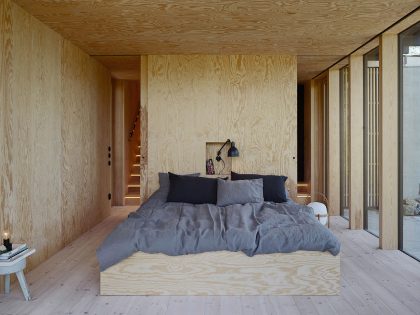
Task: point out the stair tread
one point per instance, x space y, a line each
134 180
132 202
133 187
132 195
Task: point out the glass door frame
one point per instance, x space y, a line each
343 142
365 142
400 148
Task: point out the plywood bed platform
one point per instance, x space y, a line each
224 273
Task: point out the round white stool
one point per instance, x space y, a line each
16 266
320 211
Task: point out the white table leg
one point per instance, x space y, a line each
7 284
23 285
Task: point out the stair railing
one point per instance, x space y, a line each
133 128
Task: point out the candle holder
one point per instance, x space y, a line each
6 241
7 244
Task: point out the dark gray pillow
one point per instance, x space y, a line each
192 189
274 186
239 192
164 184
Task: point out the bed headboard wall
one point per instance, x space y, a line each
194 99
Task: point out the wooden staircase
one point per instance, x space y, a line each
303 193
132 196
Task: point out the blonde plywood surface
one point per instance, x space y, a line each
195 99
122 67
319 31
85 137
144 133
69 283
54 134
118 137
319 121
356 142
402 25
388 165
334 142
224 273
310 66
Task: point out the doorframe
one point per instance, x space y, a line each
144 97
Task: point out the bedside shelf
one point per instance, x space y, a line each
211 153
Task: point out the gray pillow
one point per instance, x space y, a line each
239 192
164 185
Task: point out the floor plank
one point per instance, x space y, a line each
373 282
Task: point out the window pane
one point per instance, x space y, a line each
344 142
371 137
410 134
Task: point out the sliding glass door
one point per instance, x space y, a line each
409 183
345 142
371 144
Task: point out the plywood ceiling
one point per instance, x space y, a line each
329 29
122 67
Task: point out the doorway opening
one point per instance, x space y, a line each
303 142
126 120
126 142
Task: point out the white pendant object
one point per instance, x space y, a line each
320 211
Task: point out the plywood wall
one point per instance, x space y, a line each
356 142
54 135
194 99
144 132
388 165
333 165
118 141
319 143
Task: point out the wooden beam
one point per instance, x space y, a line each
388 165
319 137
144 96
356 141
312 160
334 142
340 64
307 132
368 47
409 21
118 161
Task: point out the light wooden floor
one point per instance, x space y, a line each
373 282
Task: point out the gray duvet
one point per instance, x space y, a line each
180 229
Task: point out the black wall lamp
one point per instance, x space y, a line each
232 152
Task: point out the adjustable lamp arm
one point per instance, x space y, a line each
218 158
